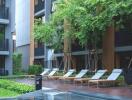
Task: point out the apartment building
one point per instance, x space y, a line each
115 49
117 45
24 30
32 52
43 9
7 28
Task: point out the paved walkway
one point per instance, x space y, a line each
59 85
115 91
28 81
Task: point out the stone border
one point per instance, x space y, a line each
99 95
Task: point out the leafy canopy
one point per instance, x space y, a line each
89 19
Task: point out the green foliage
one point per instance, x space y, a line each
35 69
7 93
47 33
16 76
21 72
14 86
89 19
43 31
17 63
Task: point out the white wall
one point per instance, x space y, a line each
22 22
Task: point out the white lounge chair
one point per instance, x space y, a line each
69 73
79 75
110 80
45 72
96 76
54 70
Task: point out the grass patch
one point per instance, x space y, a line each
17 76
15 86
10 88
7 93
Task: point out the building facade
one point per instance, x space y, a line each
115 49
24 30
43 10
7 28
32 52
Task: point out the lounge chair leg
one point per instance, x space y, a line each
74 83
88 84
81 83
97 84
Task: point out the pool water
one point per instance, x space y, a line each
53 94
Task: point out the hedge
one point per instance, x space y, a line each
15 86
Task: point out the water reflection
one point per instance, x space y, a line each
52 94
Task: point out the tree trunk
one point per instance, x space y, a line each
67 46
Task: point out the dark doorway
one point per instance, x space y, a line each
125 59
2 65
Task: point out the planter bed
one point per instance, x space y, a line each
11 88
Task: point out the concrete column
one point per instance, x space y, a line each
31 32
48 5
9 29
109 48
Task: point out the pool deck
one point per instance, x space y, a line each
125 91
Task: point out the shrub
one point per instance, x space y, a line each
15 86
17 63
7 93
35 69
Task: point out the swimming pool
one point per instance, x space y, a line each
53 94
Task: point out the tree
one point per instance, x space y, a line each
88 20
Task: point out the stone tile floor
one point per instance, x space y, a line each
124 91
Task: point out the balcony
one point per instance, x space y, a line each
4 45
39 6
39 51
4 15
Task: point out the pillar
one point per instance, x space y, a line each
109 48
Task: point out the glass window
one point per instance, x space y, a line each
36 2
2 2
2 34
2 62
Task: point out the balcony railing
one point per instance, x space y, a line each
39 51
4 45
3 12
39 6
58 51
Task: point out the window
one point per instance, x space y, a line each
2 32
36 2
2 2
38 44
2 36
2 62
